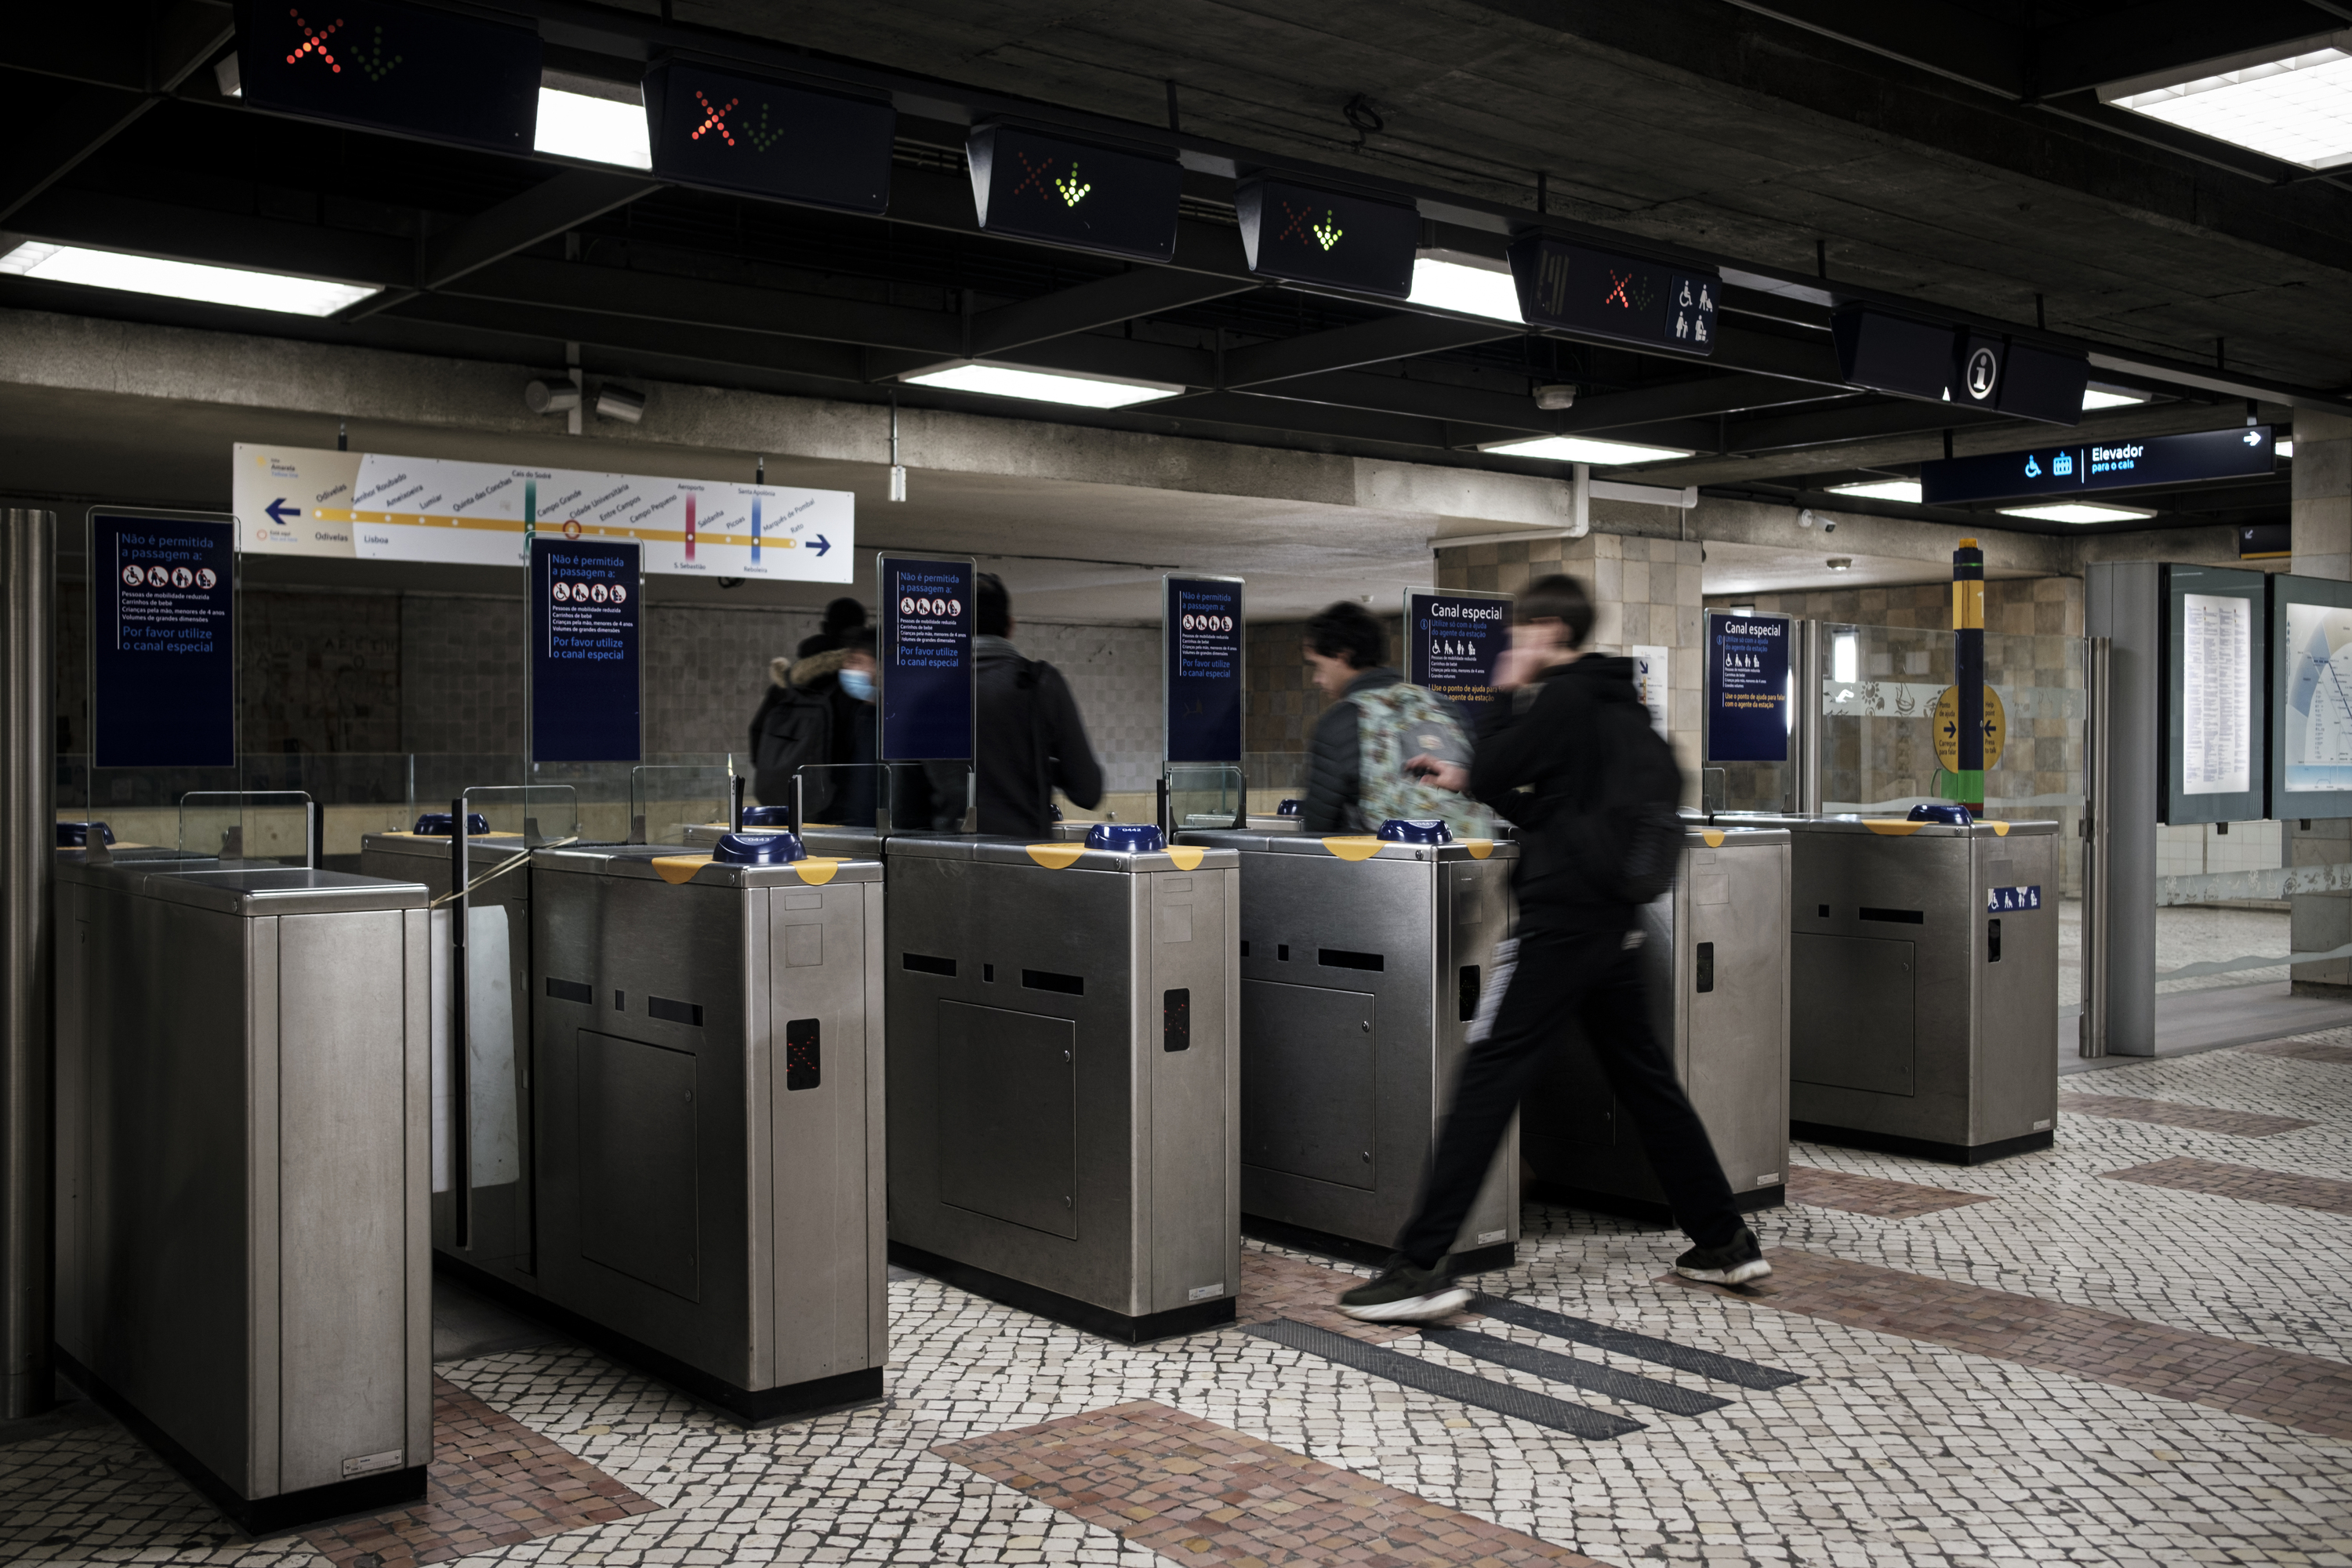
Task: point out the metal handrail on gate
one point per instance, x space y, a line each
2092 1039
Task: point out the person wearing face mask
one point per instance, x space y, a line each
853 803
806 717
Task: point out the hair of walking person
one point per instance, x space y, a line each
991 606
1347 630
859 639
1559 598
841 614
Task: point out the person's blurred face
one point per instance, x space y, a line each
1546 639
859 660
1329 672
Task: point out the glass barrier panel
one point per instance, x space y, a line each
539 814
664 798
242 828
1205 794
1273 777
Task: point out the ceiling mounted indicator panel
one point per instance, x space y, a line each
1894 354
1341 241
1034 185
1594 292
2040 384
384 65
730 133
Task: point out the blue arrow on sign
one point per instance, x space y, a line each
820 545
279 511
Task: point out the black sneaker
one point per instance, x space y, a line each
1736 1262
1401 1293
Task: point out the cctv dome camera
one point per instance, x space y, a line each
1828 527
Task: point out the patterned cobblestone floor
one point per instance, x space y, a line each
1890 1450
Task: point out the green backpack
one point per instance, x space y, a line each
1394 725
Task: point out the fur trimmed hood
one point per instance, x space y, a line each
807 672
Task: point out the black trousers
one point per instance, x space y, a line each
1595 979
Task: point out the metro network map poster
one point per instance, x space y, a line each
2318 699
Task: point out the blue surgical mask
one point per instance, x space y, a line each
858 683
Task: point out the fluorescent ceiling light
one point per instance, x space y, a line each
594 130
2078 511
2097 396
2283 449
280 291
2296 109
1585 450
1044 386
1472 291
1906 491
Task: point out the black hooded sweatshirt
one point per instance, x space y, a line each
1537 764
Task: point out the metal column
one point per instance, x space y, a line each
27 851
2096 812
1805 793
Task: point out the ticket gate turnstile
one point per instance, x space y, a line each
709 1100
497 1193
1361 966
1062 1078
1923 985
1716 957
243 1274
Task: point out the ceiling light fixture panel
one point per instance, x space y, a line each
1585 450
1905 490
1043 386
2292 102
2079 511
1468 288
241 287
595 127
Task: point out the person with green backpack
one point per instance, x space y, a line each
1359 771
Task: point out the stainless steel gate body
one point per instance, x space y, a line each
1062 1078
1362 965
496 1180
709 1100
243 1269
1716 957
1924 1002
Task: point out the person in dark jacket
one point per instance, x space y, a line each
841 617
1346 650
1573 953
820 709
1032 740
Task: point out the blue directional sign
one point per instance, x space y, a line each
2127 463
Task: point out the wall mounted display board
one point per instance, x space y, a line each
2127 462
586 679
1451 644
1578 289
1202 675
1321 235
1894 354
928 697
1037 184
293 500
2309 657
731 133
162 640
1747 689
387 66
2211 727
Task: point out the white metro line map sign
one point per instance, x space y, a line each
2318 699
2217 665
292 500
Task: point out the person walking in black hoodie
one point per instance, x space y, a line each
1032 740
1541 762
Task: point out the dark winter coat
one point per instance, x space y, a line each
1032 742
1535 766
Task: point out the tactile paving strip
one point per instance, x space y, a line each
1639 1347
2166 1114
1412 1372
1589 1375
1194 1491
2307 1391
1873 1194
2250 1182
